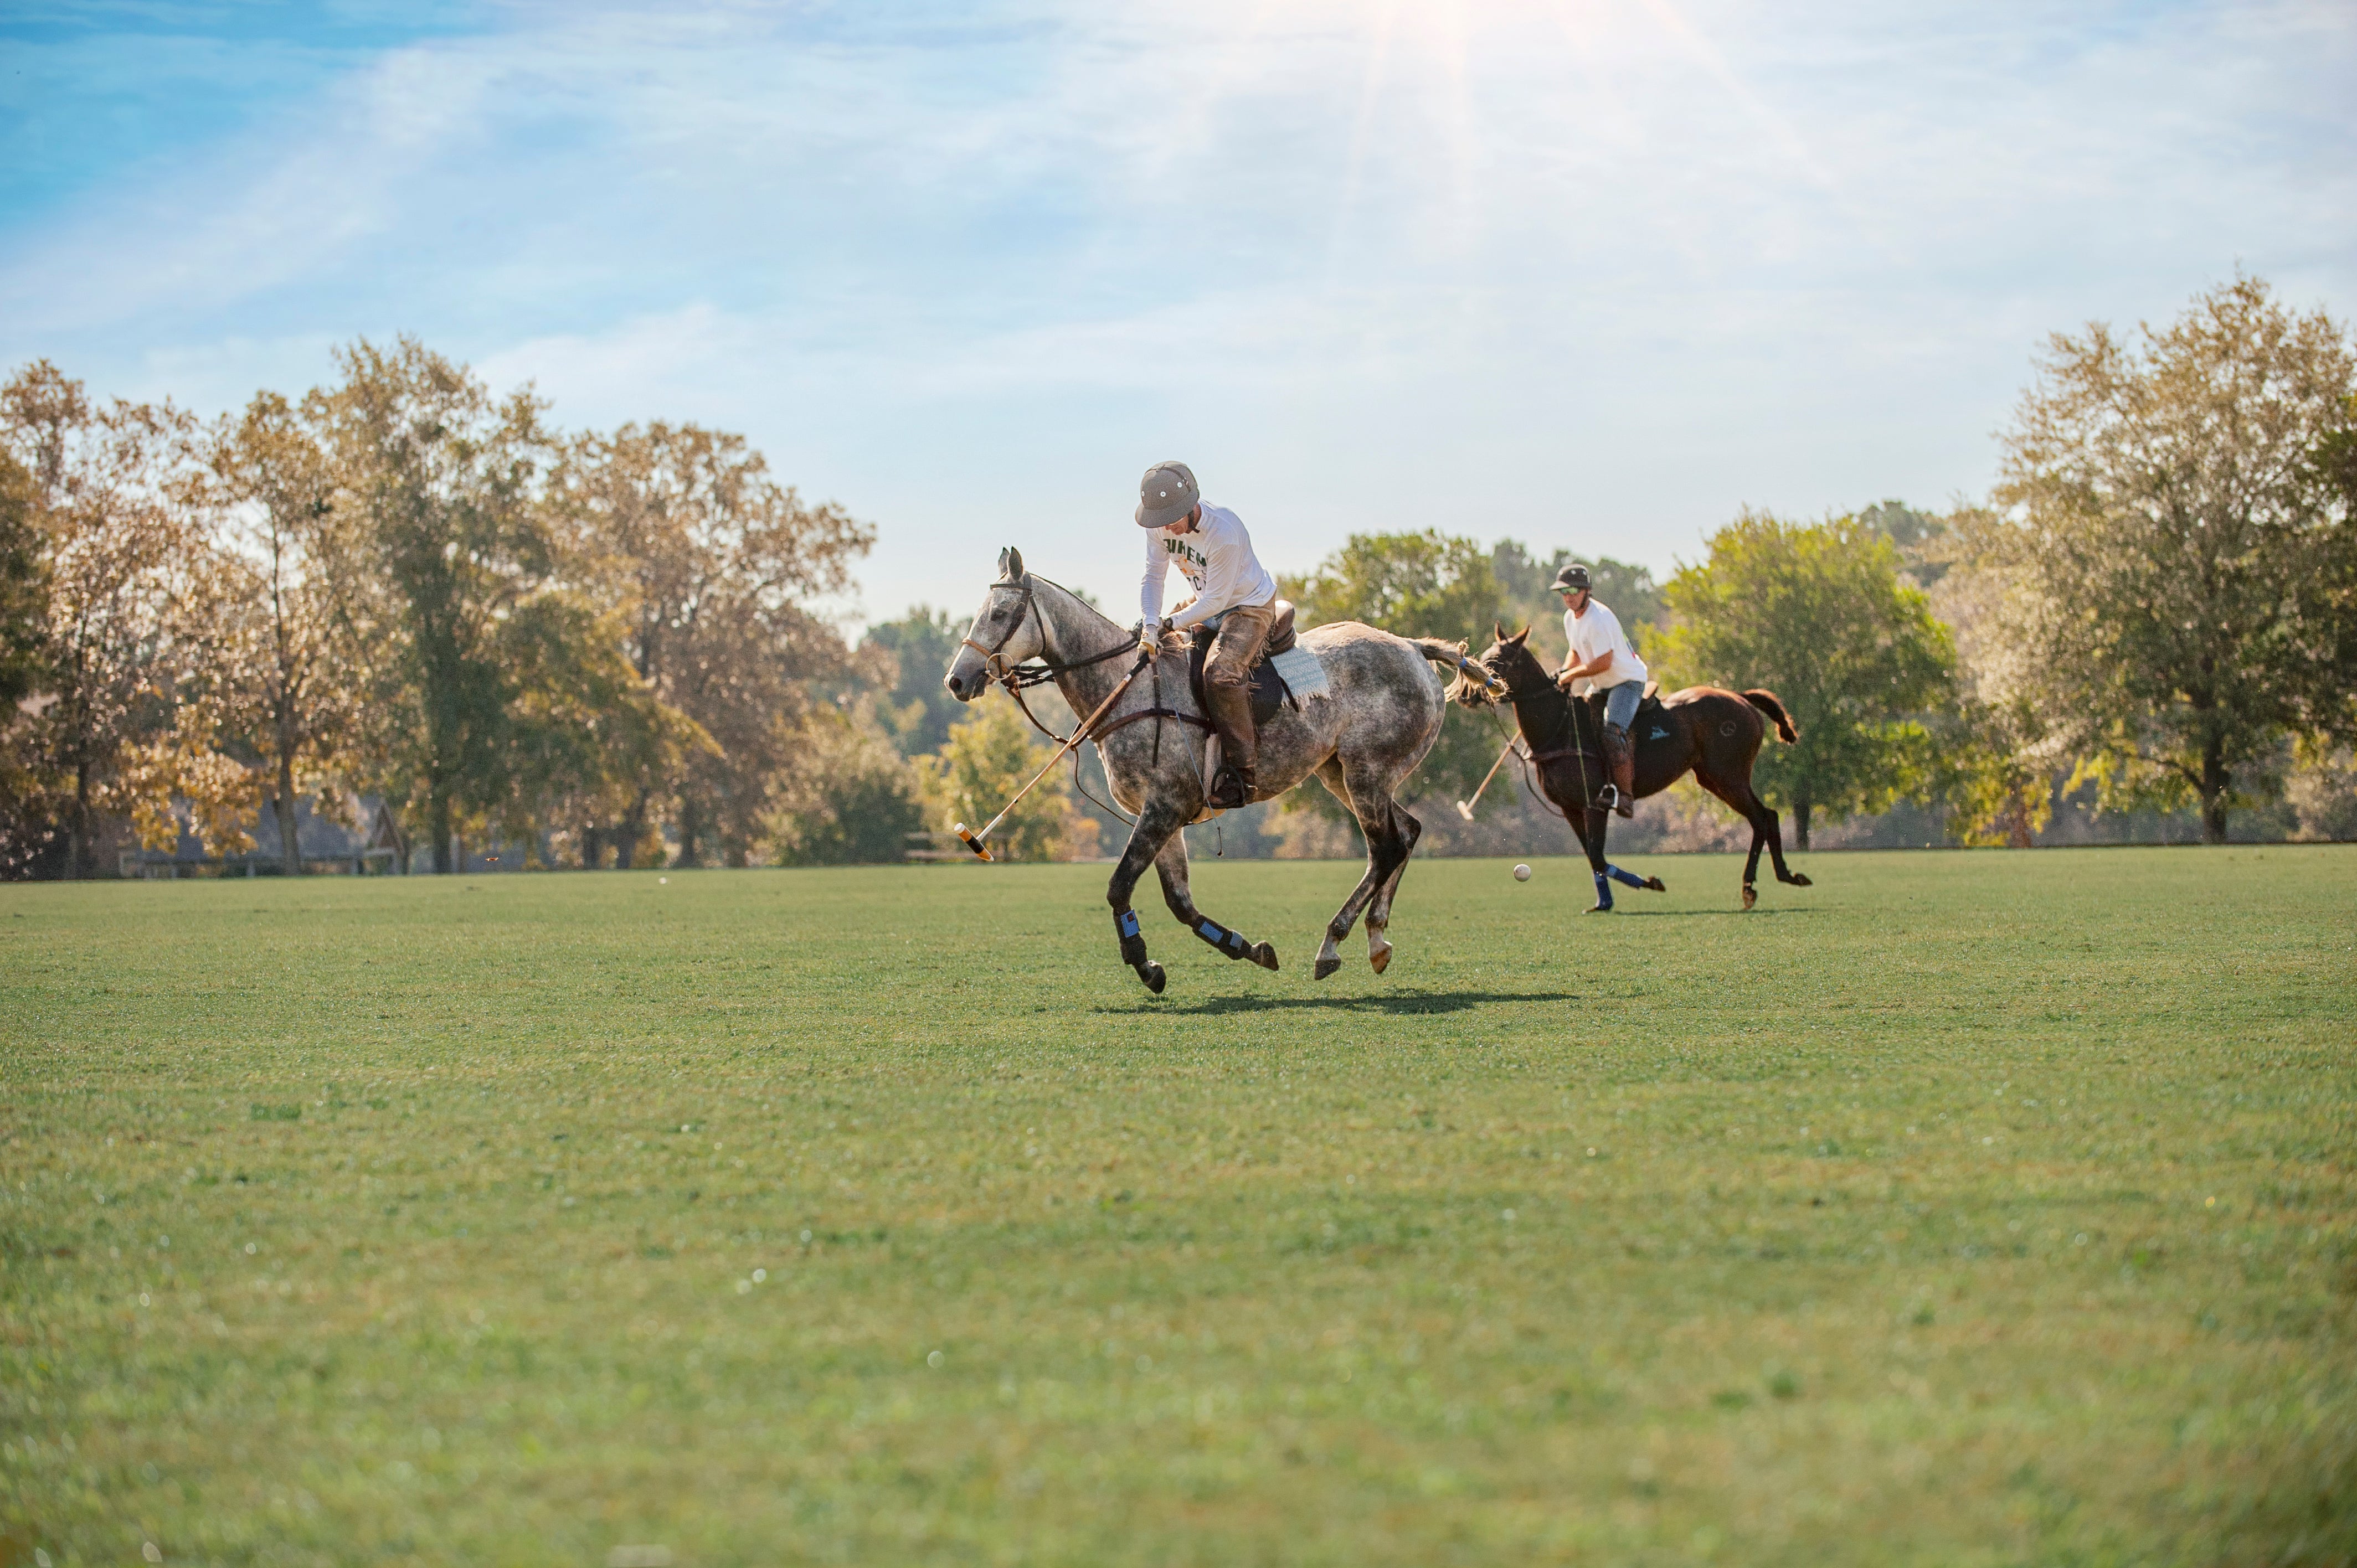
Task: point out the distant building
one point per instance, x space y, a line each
372 842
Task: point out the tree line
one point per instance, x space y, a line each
2157 606
614 649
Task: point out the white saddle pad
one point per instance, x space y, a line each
1304 676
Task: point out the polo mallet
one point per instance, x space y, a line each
1465 807
978 843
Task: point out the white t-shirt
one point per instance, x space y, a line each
1217 560
1591 633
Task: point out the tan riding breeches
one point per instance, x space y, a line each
1244 632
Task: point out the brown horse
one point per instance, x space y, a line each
1713 733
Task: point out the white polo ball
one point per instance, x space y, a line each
1522 874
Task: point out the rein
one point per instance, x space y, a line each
1539 758
1020 678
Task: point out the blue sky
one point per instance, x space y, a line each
1592 273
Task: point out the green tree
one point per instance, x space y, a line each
2186 554
916 708
449 537
1818 615
1525 582
855 798
989 755
1415 584
24 628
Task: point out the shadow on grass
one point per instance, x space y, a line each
1709 914
1404 1003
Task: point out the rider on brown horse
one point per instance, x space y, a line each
1602 661
1234 595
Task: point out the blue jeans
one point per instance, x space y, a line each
1621 702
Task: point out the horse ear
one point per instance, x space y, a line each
1498 630
1010 565
1521 637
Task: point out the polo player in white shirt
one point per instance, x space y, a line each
1601 660
1233 594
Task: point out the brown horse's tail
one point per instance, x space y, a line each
1766 703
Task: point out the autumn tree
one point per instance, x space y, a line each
448 536
717 567
120 554
2186 552
286 684
1818 615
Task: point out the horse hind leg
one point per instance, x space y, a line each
1379 911
1370 806
1171 866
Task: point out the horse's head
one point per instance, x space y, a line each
1006 631
1511 666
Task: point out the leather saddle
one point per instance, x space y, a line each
1269 689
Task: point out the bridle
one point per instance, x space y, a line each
1018 677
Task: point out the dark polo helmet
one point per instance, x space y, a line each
1571 579
1165 494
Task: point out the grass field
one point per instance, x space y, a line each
1964 1209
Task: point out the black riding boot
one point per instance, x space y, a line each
1620 758
1231 716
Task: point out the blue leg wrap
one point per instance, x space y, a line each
1132 945
1623 878
1230 943
1603 891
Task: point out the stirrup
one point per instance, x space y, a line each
1229 792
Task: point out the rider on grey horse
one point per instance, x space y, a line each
1601 660
1235 596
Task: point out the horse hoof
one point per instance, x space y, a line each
1151 973
1266 956
1599 909
1797 880
1750 896
1324 967
1656 884
1381 959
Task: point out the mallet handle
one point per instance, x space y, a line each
1079 735
1492 774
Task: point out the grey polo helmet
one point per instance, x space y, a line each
1167 493
1571 579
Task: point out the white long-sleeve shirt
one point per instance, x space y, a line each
1591 632
1217 560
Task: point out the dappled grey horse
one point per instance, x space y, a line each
1369 733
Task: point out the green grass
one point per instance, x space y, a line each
1964 1209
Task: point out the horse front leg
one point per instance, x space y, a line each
1156 826
1591 825
1171 866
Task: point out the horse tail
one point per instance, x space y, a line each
1452 654
1766 703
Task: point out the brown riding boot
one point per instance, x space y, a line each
1620 758
1231 716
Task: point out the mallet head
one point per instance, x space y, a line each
1464 810
972 842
